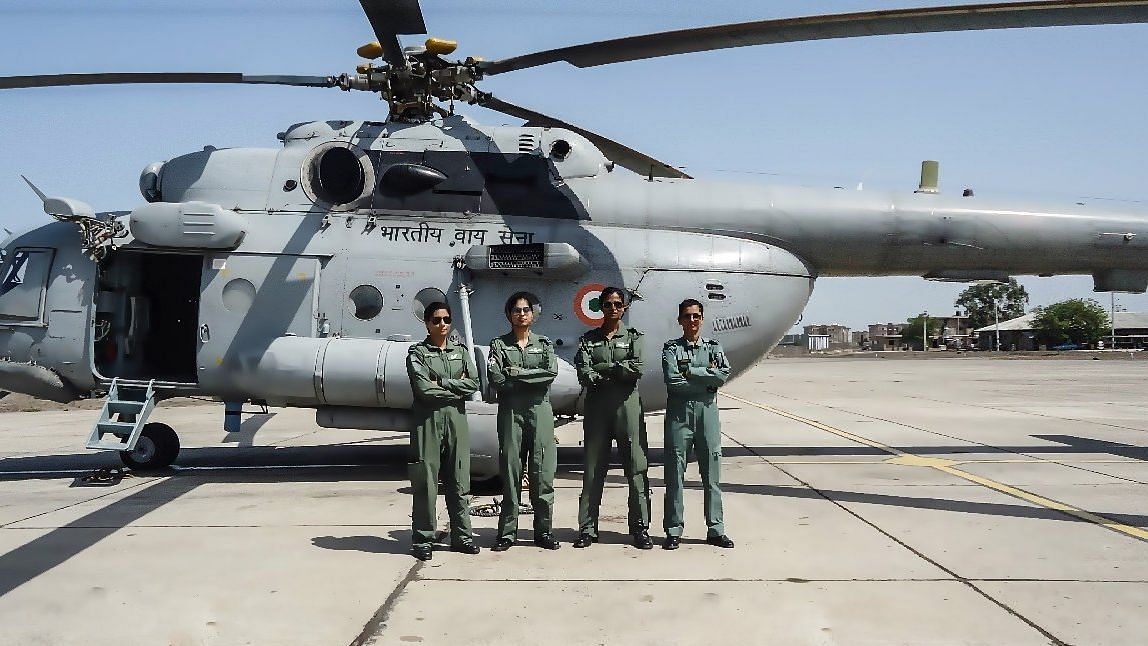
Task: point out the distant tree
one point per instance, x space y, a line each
1082 321
978 301
915 326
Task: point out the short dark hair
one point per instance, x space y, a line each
429 311
530 299
610 291
688 303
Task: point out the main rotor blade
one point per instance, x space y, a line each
620 154
1010 15
55 80
390 18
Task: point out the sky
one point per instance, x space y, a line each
1055 114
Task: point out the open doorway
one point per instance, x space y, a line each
147 312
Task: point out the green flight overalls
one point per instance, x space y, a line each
442 380
609 369
522 377
693 374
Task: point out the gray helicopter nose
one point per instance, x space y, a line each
761 310
752 294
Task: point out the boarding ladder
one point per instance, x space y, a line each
123 416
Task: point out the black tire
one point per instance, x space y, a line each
157 447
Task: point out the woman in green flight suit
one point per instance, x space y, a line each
521 367
442 377
609 363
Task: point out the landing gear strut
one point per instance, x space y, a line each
157 447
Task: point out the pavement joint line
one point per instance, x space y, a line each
815 424
378 621
1053 639
683 580
943 466
1035 414
946 579
1070 465
81 502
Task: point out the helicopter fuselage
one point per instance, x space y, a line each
293 276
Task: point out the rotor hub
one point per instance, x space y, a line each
414 87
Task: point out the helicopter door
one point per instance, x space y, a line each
246 302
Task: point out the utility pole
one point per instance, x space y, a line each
997 318
1112 319
925 331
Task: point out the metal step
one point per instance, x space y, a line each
125 407
125 412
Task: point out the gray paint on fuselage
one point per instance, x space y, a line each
849 233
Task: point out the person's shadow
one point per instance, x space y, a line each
399 542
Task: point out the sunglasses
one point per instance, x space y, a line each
692 317
521 310
438 320
613 305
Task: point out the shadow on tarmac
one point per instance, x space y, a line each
915 502
196 467
399 542
354 462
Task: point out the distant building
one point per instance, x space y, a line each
954 333
826 337
1131 331
1018 334
1015 334
886 336
860 338
836 333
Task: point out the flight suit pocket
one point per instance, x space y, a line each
417 472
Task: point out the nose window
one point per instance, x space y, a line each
25 279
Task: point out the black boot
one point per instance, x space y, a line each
720 541
547 541
465 546
584 540
642 540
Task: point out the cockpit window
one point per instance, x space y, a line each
25 279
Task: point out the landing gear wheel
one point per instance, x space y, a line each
157 447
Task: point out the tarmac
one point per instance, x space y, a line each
873 501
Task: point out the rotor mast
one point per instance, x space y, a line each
413 89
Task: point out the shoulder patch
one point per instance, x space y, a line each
635 331
544 339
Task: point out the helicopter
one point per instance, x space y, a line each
291 276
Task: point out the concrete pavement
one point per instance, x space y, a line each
873 501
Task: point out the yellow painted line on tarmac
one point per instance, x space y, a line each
948 466
1049 503
815 424
846 462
